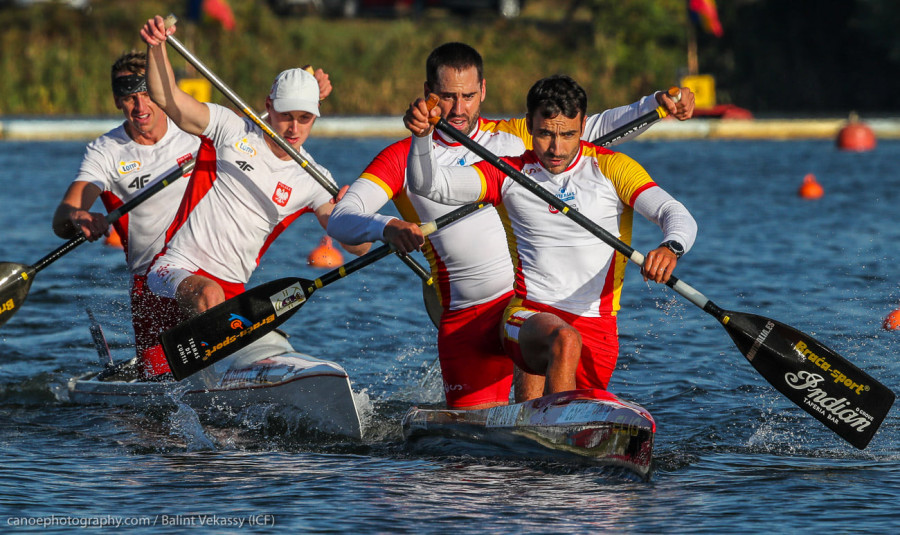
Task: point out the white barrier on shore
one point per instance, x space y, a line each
50 129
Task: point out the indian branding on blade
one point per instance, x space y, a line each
837 410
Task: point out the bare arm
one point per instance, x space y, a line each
72 213
188 113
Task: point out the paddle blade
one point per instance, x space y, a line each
826 385
15 281
227 327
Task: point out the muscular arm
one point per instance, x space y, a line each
188 113
72 213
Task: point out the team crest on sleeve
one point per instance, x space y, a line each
245 147
282 194
127 167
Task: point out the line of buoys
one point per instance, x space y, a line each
811 189
855 136
892 321
325 255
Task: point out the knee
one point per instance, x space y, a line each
566 345
210 295
196 295
566 338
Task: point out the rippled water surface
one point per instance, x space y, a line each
731 453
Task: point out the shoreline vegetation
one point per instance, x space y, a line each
55 60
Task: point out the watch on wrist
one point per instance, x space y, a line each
673 246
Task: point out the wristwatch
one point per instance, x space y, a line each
673 246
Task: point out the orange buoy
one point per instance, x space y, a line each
892 321
811 189
325 255
114 240
855 136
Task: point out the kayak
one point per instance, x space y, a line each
312 392
592 426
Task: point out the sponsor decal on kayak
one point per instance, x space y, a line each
584 412
763 334
836 410
837 375
290 297
504 416
127 167
257 375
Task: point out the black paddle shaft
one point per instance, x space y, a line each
826 385
641 122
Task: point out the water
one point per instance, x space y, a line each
731 453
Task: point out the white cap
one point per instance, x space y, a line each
295 90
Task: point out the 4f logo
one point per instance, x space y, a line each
139 182
245 167
282 194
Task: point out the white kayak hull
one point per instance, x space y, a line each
269 372
588 425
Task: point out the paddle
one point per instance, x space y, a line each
641 122
313 171
16 279
229 326
826 385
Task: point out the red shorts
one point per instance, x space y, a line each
599 341
476 370
152 315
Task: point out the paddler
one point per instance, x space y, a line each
470 259
117 166
561 322
245 190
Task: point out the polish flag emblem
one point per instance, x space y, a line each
282 194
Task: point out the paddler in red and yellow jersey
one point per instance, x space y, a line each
146 147
469 259
562 321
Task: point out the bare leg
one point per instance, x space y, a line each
527 385
552 346
197 294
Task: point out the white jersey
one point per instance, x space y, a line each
121 168
557 262
240 198
469 259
